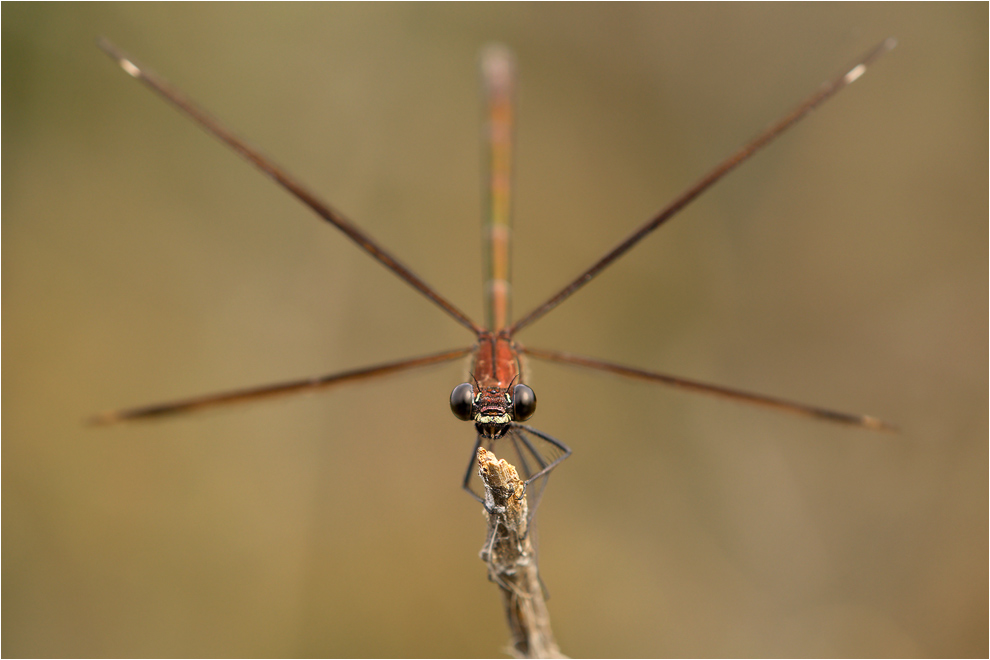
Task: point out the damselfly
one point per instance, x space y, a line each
496 398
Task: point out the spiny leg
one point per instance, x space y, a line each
471 469
542 475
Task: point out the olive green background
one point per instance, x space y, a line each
845 266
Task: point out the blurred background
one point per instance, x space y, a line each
845 266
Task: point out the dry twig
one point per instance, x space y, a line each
512 561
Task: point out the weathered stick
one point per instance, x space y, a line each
512 561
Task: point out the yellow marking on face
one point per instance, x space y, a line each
497 419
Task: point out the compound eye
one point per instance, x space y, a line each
523 402
462 401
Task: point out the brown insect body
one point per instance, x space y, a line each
496 400
496 368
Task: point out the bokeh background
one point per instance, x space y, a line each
845 266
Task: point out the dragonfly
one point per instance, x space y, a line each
495 398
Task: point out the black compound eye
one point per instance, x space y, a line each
523 402
462 401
